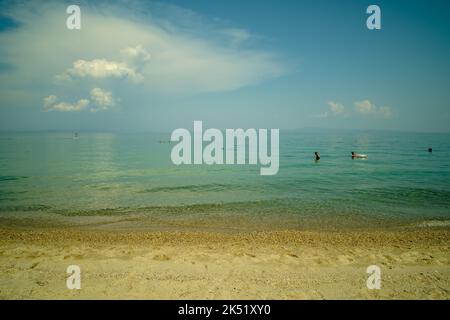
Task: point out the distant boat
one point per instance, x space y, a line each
75 135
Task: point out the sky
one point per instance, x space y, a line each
157 66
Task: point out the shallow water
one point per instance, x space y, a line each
121 174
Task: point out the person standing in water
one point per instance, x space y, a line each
316 156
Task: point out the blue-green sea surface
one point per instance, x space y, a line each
106 174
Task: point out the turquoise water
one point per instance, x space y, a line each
108 174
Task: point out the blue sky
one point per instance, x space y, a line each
157 66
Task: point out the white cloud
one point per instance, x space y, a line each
102 99
100 69
189 54
336 108
137 55
51 104
134 58
365 107
368 108
49 101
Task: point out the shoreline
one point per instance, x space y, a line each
232 222
282 264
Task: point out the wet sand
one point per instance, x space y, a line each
415 264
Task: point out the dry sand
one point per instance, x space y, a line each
415 264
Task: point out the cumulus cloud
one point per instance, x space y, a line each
137 55
50 100
365 107
148 47
51 104
102 99
134 59
100 69
336 108
368 108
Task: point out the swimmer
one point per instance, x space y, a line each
357 155
316 156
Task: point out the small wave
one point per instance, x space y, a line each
245 206
434 224
199 188
406 195
11 178
25 208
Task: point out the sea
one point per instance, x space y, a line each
129 177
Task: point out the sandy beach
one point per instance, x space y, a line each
415 264
228 150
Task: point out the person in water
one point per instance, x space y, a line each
317 156
430 149
358 155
